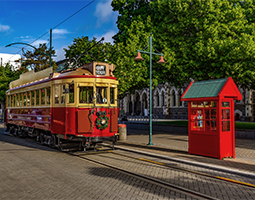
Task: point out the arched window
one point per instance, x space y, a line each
174 98
163 98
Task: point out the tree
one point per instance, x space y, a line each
131 74
6 76
200 39
129 11
37 60
208 39
101 52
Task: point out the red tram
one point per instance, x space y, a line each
77 107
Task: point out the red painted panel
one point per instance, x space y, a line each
202 144
114 120
84 121
30 117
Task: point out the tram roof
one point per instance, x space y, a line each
96 69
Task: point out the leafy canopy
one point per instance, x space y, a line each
6 76
37 60
101 52
200 39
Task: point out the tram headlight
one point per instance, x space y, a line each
103 121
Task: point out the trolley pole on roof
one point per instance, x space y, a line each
161 61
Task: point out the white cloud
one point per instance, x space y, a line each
60 54
107 36
104 12
60 31
4 28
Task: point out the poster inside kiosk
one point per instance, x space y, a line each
100 70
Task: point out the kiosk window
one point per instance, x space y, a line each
203 116
71 93
101 95
86 95
225 117
57 94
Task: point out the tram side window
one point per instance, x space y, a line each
20 99
9 100
63 95
48 96
57 94
14 100
28 98
112 95
33 98
43 97
17 100
101 95
24 99
71 93
37 97
86 95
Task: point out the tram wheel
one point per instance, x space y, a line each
52 142
41 138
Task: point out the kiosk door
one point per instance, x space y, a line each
226 129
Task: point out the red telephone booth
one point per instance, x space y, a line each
211 117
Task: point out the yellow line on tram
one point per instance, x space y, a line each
159 163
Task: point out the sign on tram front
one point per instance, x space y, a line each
100 70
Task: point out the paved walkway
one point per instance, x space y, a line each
176 145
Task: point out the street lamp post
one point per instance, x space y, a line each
35 47
160 61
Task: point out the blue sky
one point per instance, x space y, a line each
25 21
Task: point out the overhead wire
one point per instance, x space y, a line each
56 26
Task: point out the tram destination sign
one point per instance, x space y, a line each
100 70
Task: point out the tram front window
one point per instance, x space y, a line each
86 95
101 95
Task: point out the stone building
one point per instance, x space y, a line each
166 103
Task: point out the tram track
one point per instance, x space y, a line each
189 171
161 183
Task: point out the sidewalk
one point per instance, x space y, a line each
176 145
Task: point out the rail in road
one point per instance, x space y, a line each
191 181
205 186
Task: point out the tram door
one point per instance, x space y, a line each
59 110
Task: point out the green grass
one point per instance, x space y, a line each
238 125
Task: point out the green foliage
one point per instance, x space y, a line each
131 74
100 52
6 76
208 39
129 11
37 60
200 39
